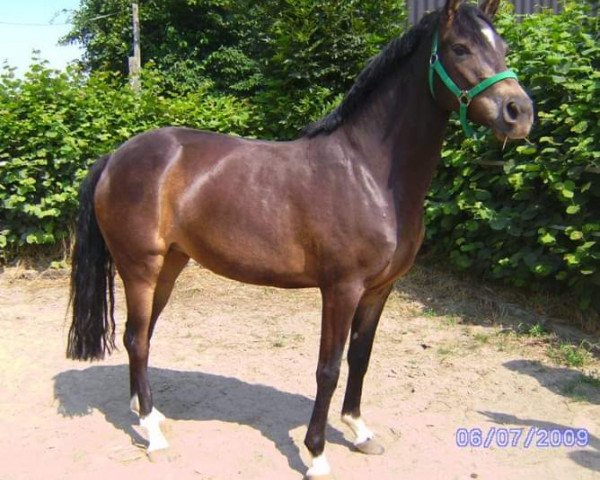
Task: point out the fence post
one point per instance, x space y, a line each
135 62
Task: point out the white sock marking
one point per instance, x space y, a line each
320 466
151 423
358 426
134 404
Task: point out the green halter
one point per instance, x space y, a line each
464 96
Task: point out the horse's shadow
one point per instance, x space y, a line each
200 396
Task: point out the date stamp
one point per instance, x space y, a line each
532 437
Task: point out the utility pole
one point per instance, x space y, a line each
135 62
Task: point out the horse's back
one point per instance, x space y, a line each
220 199
154 150
289 214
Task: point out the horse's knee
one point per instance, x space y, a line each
327 376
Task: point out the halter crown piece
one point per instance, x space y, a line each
464 96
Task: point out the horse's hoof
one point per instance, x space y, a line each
159 456
370 447
319 477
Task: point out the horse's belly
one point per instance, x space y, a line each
248 245
256 266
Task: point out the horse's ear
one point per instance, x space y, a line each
449 13
490 7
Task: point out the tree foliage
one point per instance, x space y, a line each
240 45
177 35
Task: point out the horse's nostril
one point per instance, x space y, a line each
511 112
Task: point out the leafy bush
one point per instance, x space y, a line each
527 215
530 214
53 125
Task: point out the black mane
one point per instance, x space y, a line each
382 65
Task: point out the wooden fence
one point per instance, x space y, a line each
417 8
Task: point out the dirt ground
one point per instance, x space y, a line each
232 367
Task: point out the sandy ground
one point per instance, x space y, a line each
233 370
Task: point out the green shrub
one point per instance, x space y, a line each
54 124
529 215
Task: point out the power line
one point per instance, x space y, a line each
19 24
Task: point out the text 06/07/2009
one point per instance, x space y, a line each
532 437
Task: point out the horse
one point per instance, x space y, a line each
340 208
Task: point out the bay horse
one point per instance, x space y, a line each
340 208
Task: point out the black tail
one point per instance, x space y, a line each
92 332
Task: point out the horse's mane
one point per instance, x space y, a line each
393 55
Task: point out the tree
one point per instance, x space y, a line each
178 36
315 50
242 46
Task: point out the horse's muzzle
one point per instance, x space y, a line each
516 117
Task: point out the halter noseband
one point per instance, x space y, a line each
464 96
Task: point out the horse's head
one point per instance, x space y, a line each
468 71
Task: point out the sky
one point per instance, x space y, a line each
27 25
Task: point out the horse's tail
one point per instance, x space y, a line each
92 332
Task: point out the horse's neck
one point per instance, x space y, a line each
399 135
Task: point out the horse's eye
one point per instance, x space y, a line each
460 50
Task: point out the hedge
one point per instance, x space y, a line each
529 214
53 125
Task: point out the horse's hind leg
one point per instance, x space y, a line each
139 280
362 335
174 263
148 284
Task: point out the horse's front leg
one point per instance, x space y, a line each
339 306
362 335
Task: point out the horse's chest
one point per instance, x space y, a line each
401 258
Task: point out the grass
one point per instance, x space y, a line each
445 351
582 389
589 380
519 321
481 337
283 340
430 290
450 320
567 354
537 330
561 352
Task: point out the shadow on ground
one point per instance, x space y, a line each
435 291
186 395
559 381
588 458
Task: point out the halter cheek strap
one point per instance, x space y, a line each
464 96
